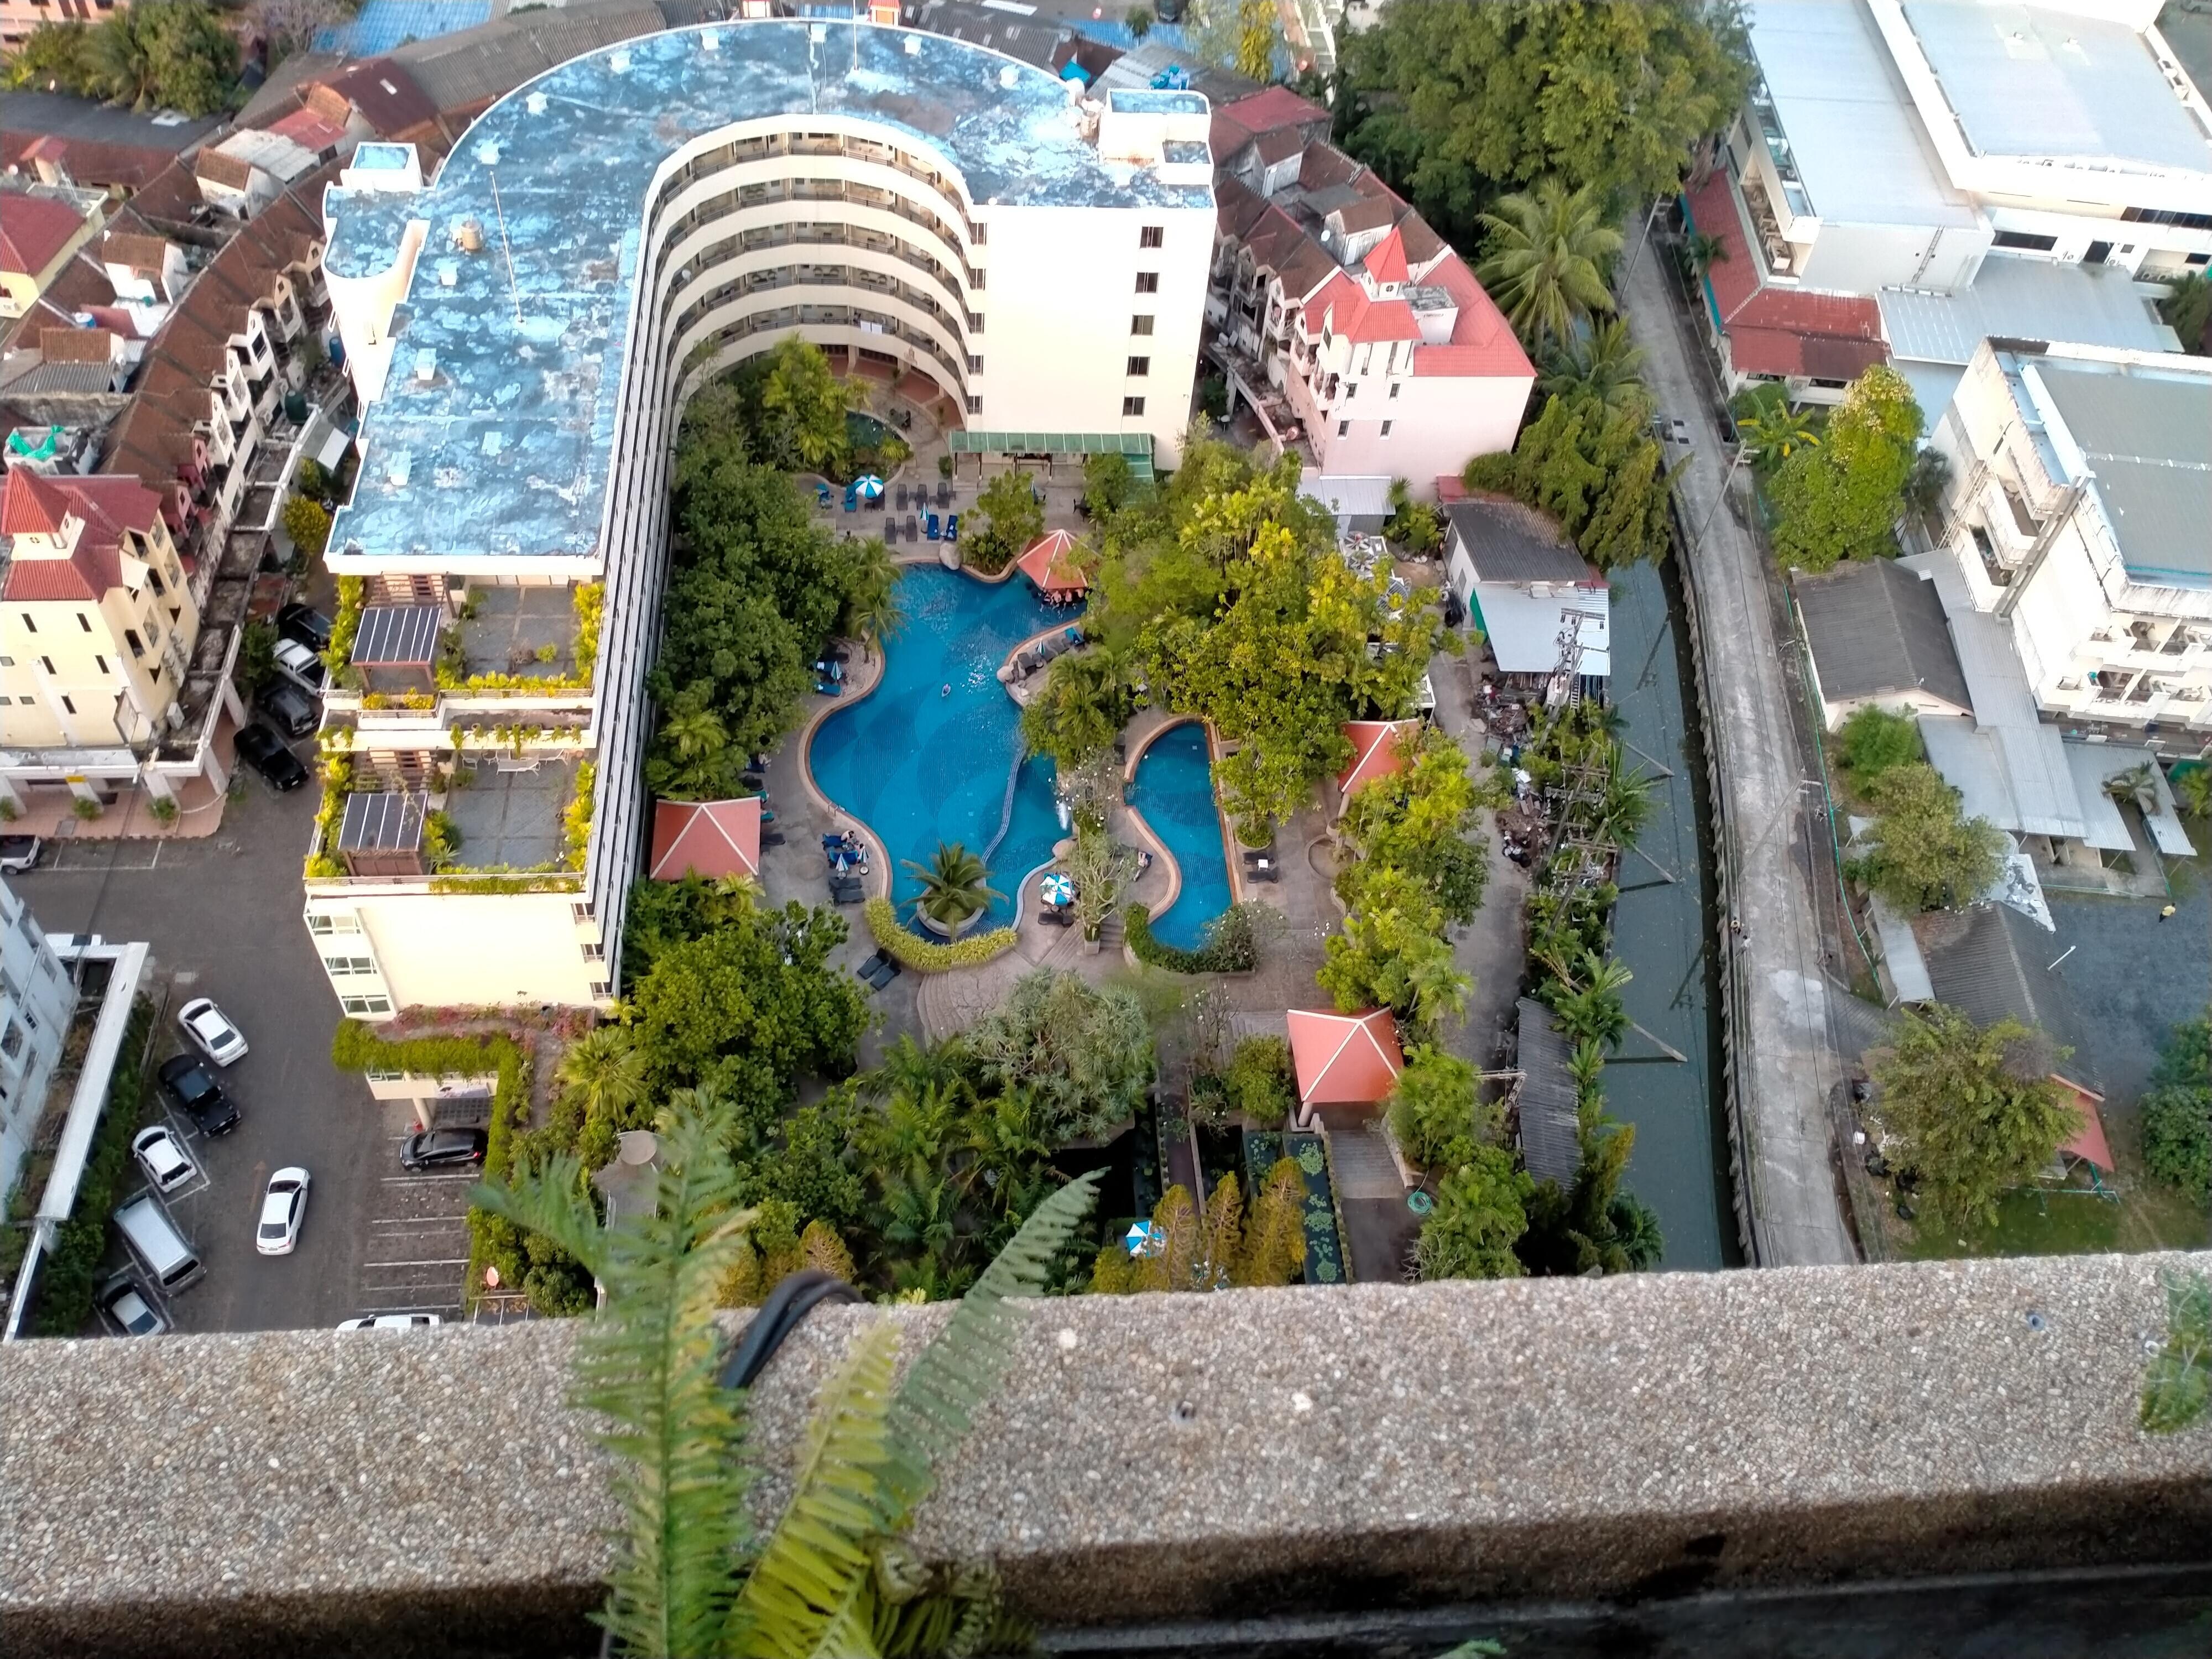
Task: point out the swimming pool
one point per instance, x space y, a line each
1175 793
919 763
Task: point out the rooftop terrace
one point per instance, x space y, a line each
493 435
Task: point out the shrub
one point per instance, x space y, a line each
909 950
1232 946
163 809
1874 741
86 808
70 1274
1259 1079
307 524
2176 1132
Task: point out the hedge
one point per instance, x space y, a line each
1224 952
356 1048
909 950
69 1277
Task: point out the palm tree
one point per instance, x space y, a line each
1438 989
604 1074
871 611
1601 362
2138 784
955 887
1548 254
1593 1012
1702 251
693 735
1778 431
2195 788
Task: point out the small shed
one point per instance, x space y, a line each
1551 1131
715 839
381 835
1377 751
1878 638
396 648
1343 1060
1050 564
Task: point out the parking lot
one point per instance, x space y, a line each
223 918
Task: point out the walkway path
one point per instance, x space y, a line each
1784 1061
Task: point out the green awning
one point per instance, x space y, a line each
1136 446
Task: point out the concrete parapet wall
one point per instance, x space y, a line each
1320 1451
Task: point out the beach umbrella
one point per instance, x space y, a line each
870 487
1140 1240
1057 888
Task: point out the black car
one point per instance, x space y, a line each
311 627
265 751
288 709
441 1149
186 1081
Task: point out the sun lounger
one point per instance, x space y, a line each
952 528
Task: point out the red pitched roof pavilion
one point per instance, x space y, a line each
714 839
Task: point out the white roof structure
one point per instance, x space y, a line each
1522 626
2096 764
1848 119
2031 81
1900 953
272 152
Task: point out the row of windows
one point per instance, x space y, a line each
345 967
358 1006
1344 428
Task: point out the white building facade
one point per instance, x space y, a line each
2081 515
524 332
36 996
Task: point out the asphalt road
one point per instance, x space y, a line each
222 917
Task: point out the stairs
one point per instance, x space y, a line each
1363 1166
1111 936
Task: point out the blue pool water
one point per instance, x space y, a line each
919 765
1175 793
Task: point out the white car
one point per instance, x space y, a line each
282 1208
212 1031
126 1304
163 1158
300 666
390 1322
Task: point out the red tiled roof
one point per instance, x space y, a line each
33 230
1049 562
30 505
714 839
1482 344
1274 108
1386 261
1376 752
2088 1142
1344 1059
1779 330
1344 307
309 131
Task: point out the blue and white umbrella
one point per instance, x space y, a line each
1057 888
1140 1239
869 488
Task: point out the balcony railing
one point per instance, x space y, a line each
1733 1464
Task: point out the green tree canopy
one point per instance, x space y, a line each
1417 820
1874 740
1481 1215
1840 498
795 408
1080 709
157 54
1084 1051
1434 1112
1601 362
1927 853
1226 1246
1976 1112
1011 520
1592 1225
2177 1111
1597 470
1458 101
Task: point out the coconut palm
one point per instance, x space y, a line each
1592 1012
1438 989
604 1074
2138 784
1701 251
1601 362
2195 788
693 735
1549 249
955 887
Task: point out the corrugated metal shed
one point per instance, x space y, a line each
1876 630
1551 1141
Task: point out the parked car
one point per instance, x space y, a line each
288 708
390 1322
163 1158
309 627
442 1149
210 1029
126 1304
283 1206
188 1082
302 666
18 854
265 751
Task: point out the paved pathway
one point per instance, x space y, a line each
1785 1059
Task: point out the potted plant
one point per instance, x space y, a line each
955 890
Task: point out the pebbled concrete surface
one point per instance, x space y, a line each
1149 1458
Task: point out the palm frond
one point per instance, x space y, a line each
809 1592
952 1377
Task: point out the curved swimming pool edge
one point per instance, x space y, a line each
1213 754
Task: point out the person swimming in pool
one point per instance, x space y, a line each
945 690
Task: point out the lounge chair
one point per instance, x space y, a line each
852 498
829 688
847 892
822 496
935 527
944 493
952 528
772 837
913 525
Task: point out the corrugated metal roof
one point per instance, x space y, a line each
1876 630
1550 1141
2019 299
2017 778
1507 542
398 635
1900 952
382 822
2036 82
2147 434
1522 627
2096 765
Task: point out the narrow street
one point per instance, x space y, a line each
1785 1059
